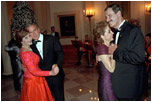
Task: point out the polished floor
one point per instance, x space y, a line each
80 85
80 81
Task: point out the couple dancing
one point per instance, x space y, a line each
120 64
39 60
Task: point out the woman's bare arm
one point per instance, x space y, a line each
108 62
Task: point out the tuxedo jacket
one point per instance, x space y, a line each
127 79
52 54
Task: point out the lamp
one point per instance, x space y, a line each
89 13
148 7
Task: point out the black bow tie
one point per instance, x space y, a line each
36 41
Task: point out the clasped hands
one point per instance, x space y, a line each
112 48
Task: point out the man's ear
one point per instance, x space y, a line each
38 29
119 13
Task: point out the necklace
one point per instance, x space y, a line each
26 47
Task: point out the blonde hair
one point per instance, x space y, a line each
100 29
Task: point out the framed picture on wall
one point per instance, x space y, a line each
67 25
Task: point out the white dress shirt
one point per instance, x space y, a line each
39 45
118 33
53 33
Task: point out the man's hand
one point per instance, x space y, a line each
55 69
23 68
96 59
54 65
80 49
112 48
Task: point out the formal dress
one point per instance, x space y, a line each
35 87
128 77
52 54
104 82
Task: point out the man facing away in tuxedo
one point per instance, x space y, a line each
129 53
51 55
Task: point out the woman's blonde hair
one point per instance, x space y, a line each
100 29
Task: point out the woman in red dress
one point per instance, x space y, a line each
35 87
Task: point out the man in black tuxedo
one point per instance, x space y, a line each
54 33
129 53
51 55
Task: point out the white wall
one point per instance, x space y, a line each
65 8
147 19
5 37
82 23
138 12
99 11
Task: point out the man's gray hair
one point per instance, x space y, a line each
115 8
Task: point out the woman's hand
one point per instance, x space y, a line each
23 68
112 48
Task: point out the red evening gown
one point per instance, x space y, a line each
35 87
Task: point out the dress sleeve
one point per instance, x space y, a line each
101 50
28 60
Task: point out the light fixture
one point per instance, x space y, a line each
89 13
80 90
148 7
90 91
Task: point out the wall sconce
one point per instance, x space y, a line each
89 13
148 7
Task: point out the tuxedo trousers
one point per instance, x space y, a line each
56 85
